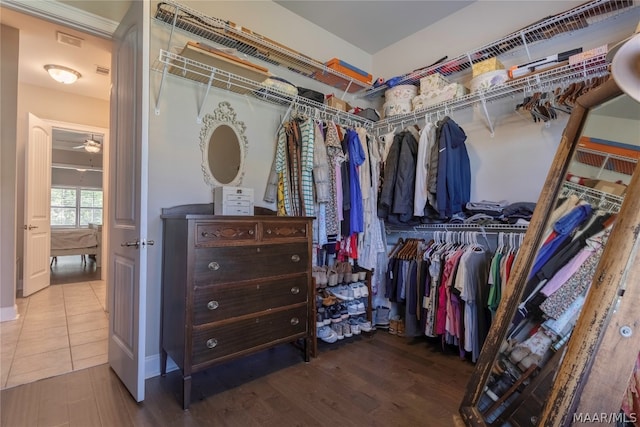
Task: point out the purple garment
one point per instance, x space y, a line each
566 272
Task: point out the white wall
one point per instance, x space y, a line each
9 40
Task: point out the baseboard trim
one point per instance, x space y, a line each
152 366
9 313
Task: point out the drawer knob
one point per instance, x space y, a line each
212 342
212 305
250 232
213 266
295 258
269 231
295 290
295 321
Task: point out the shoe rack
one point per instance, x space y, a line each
321 293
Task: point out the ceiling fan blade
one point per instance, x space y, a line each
77 147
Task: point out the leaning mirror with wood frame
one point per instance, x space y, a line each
551 279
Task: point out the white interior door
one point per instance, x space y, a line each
128 201
37 210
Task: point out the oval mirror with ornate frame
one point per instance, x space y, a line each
224 147
500 391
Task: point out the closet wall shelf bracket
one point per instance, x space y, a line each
483 102
165 68
207 75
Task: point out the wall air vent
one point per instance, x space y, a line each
103 71
68 39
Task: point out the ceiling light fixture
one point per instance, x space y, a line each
62 74
91 148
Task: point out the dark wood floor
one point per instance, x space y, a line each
71 269
381 380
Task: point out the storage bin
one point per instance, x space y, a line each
350 70
486 66
488 80
432 82
400 94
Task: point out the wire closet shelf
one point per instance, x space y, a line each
249 43
565 23
596 198
177 65
544 81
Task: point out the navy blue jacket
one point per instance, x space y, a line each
454 170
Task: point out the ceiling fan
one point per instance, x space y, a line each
90 145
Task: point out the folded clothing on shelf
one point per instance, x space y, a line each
276 89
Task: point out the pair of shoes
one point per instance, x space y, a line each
343 292
360 290
328 299
320 274
356 308
364 324
337 328
326 334
400 328
355 326
332 276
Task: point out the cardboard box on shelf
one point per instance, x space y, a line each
611 187
491 64
335 102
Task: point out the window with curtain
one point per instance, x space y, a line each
75 206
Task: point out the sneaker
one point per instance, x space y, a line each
393 324
364 324
355 287
334 311
320 318
343 292
326 317
353 309
337 328
360 309
346 330
327 334
355 326
344 311
364 290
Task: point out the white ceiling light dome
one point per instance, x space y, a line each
62 74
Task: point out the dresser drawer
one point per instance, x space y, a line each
212 233
238 263
277 230
229 339
219 302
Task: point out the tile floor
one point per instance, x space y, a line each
61 328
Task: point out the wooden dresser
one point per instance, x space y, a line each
231 286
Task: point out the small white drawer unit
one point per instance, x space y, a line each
233 201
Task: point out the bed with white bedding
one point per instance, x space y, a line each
76 241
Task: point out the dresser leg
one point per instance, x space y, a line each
186 392
163 362
307 349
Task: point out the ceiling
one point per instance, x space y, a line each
373 25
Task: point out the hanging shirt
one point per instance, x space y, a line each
422 168
356 158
